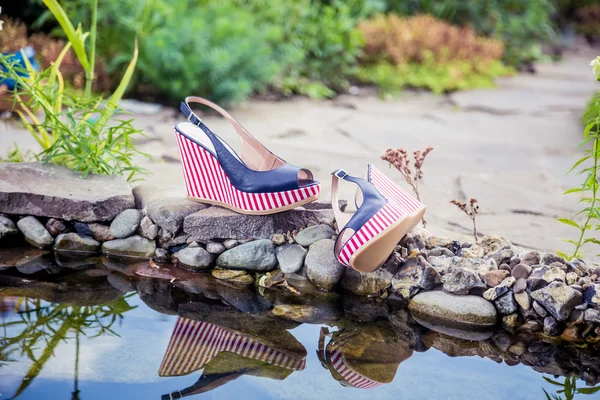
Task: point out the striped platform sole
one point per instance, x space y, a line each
206 182
370 246
352 377
194 344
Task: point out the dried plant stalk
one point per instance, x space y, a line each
399 159
472 209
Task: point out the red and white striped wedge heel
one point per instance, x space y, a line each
254 182
385 214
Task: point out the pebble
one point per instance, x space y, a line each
531 258
495 292
506 304
195 258
551 327
75 243
257 255
494 278
148 229
278 239
520 285
215 247
505 267
126 223
34 232
539 309
523 300
312 234
521 271
161 254
7 227
510 321
234 276
290 258
100 232
230 243
55 226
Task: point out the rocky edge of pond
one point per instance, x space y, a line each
464 286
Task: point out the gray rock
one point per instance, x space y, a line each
415 275
523 300
550 258
442 264
7 227
290 258
147 228
33 230
542 276
230 243
220 223
551 327
591 295
541 311
505 267
520 285
558 298
531 258
461 281
49 190
75 243
434 241
578 267
257 255
166 207
592 315
54 227
195 258
161 254
368 283
474 251
503 255
126 223
521 271
100 232
493 293
439 251
322 268
571 278
492 243
215 247
308 236
506 304
452 310
476 265
134 247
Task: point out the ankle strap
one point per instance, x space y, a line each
341 218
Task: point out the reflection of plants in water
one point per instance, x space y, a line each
569 389
44 326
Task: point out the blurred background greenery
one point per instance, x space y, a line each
228 50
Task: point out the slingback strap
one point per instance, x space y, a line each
341 218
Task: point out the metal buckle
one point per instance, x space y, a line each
192 115
340 173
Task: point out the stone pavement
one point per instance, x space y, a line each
509 147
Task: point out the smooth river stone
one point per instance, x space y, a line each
464 312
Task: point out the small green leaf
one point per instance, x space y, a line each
569 222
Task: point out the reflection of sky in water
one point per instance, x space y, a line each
127 368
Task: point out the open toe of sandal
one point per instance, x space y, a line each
385 213
254 182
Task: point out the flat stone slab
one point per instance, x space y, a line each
219 223
166 207
48 190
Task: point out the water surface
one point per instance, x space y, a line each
104 329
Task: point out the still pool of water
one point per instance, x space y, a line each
116 331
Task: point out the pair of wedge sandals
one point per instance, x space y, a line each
258 182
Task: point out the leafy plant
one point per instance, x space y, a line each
78 132
519 24
569 389
587 166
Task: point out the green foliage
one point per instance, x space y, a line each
81 133
588 167
569 389
439 78
520 24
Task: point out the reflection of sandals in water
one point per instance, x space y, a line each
385 213
333 359
254 182
197 345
